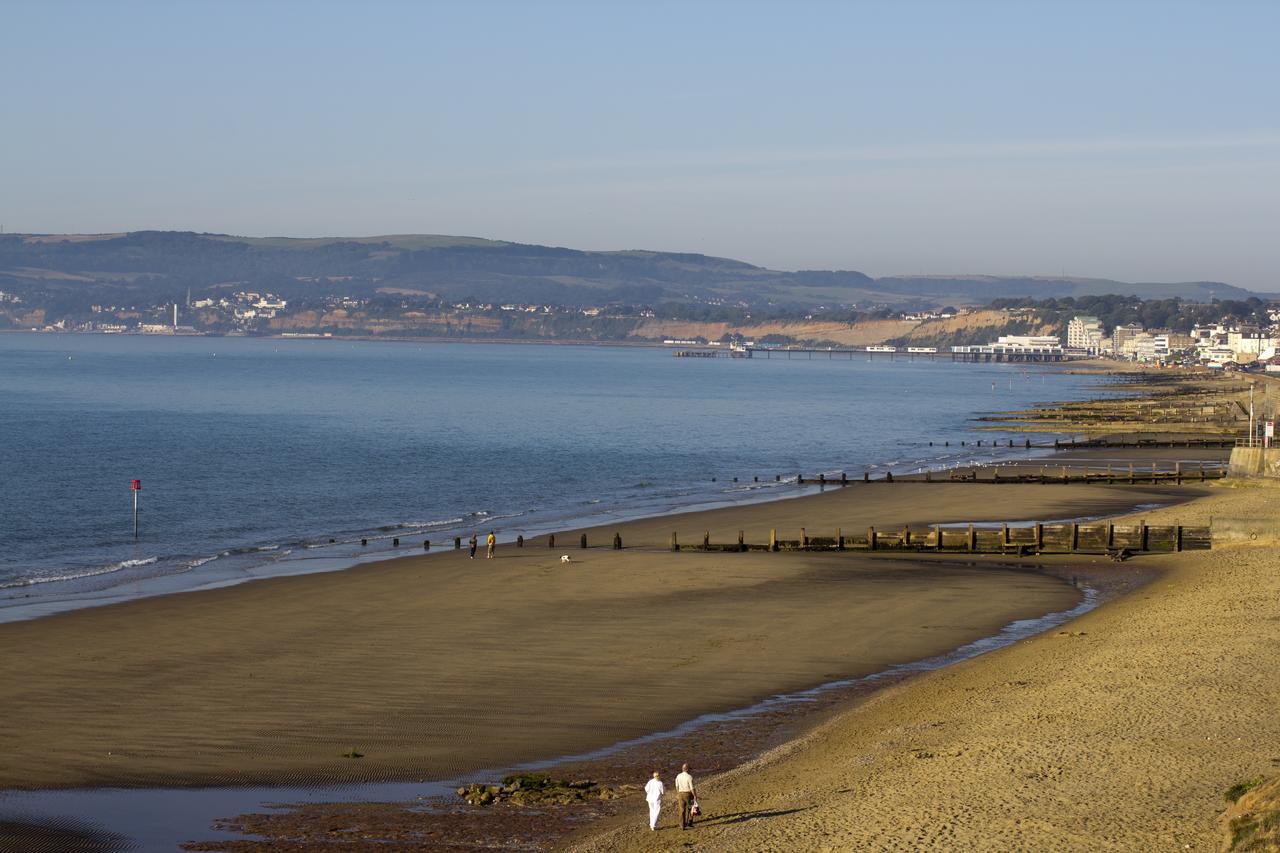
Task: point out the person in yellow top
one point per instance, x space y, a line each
492 543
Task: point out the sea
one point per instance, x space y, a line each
261 457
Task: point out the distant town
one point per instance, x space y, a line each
1228 342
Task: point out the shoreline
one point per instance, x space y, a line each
719 738
646 542
1121 732
650 536
295 558
891 506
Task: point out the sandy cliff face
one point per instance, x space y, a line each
849 334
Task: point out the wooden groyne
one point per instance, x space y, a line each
1047 475
1114 540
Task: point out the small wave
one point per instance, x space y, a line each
200 561
87 573
421 525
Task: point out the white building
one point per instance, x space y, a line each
1085 332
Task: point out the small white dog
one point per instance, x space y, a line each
564 558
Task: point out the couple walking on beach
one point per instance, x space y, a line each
686 797
491 542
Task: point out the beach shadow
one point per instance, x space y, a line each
743 817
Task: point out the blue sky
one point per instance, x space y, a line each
1130 140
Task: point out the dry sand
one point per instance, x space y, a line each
1119 732
434 666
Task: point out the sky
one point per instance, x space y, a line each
1129 140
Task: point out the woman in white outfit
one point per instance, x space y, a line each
653 791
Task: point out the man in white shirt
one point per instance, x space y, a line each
653 791
687 795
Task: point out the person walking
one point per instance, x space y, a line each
473 546
491 542
686 796
653 791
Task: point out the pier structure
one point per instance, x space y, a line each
982 354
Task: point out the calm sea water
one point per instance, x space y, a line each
255 453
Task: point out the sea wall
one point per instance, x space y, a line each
1255 462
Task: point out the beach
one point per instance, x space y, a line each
1121 731
436 665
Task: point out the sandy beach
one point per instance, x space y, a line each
1122 731
1119 731
432 666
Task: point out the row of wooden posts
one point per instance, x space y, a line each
551 542
1065 476
1037 538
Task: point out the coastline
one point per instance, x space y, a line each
366 604
216 680
1120 732
916 505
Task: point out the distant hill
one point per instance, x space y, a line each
165 264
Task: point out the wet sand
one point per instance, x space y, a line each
1121 731
437 666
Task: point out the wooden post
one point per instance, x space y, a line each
839 539
804 540
773 538
1111 535
937 537
1142 535
1109 480
972 541
1202 471
928 476
1177 473
871 538
426 544
582 543
617 541
706 541
844 479
1177 538
1039 536
675 542
1065 480
1004 536
457 543
741 542
1153 473
1130 473
906 536
1075 537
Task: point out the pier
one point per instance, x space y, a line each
874 352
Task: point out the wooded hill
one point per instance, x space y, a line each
70 271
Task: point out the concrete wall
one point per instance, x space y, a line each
1245 531
1255 462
